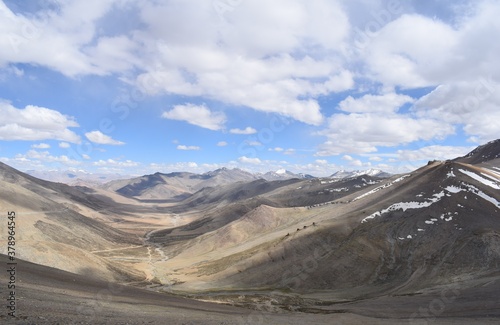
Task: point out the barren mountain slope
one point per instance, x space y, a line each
51 233
176 186
484 153
433 228
439 224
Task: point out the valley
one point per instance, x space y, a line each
421 247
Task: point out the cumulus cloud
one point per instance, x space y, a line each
387 103
247 130
473 105
222 144
198 115
289 151
40 146
247 160
116 163
368 131
279 60
43 38
64 145
395 60
187 148
436 152
101 138
45 157
243 63
34 123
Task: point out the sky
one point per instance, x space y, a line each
314 86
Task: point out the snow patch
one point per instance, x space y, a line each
478 178
375 190
343 189
448 216
369 182
481 194
407 205
453 189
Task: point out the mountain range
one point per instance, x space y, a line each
418 247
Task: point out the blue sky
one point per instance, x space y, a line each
136 87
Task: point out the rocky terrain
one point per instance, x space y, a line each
358 248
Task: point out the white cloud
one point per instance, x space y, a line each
40 146
279 60
289 151
244 63
181 167
406 51
116 163
387 103
222 144
368 131
187 148
252 161
45 157
254 143
34 123
198 115
435 152
356 163
54 38
416 51
247 130
473 105
101 138
64 145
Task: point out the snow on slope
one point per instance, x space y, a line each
480 179
448 191
375 190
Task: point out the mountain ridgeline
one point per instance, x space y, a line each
289 242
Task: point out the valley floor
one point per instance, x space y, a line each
50 296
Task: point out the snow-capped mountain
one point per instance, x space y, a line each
341 174
282 174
